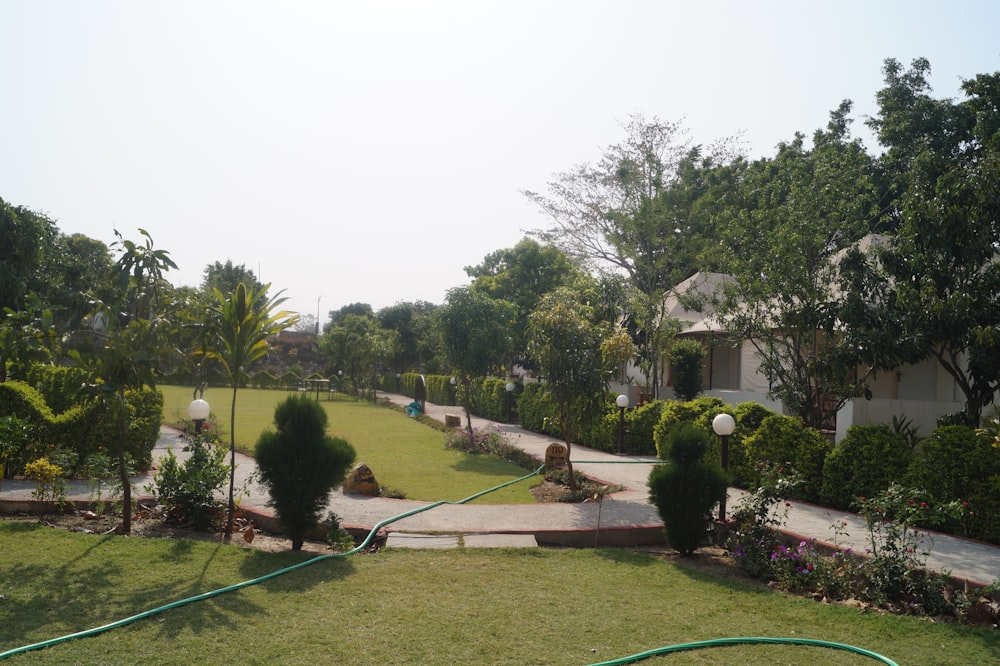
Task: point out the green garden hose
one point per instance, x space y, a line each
759 640
364 544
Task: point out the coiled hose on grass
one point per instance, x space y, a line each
364 544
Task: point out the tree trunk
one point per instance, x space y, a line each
231 507
126 527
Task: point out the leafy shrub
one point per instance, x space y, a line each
189 491
639 425
300 464
869 458
685 490
15 436
536 409
784 440
675 414
687 357
490 440
59 386
959 463
49 486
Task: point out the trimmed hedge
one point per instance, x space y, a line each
959 463
869 458
84 428
639 425
784 440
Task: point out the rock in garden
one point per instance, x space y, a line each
361 481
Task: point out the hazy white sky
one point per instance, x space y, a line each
368 151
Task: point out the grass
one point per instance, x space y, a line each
420 607
404 454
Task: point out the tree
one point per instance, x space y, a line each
476 331
639 212
300 464
567 344
132 342
937 282
521 275
419 346
238 328
359 346
225 277
26 237
784 226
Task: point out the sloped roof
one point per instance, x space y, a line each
699 288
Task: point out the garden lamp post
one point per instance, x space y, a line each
198 411
622 403
510 399
724 425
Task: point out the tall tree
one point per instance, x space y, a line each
26 237
476 331
940 278
359 347
567 342
522 275
239 326
418 343
784 226
226 276
637 211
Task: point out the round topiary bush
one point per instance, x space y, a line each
677 414
869 458
959 463
785 441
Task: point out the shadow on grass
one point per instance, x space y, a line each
78 582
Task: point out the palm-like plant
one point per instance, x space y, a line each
239 325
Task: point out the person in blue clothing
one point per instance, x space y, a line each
413 409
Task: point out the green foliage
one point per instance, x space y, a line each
491 441
49 486
300 464
687 358
866 461
536 408
59 385
785 441
639 425
677 414
959 463
15 436
685 490
188 490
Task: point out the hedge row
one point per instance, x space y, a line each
83 429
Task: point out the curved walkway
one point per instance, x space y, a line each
623 519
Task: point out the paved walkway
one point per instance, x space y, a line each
625 518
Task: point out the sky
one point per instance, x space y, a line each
368 151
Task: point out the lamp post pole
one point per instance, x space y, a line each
622 403
723 425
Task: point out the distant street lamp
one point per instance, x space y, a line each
510 398
724 425
622 402
198 411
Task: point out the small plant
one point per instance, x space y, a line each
189 490
14 436
102 476
339 539
49 486
753 535
491 441
898 548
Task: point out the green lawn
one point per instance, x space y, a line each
572 607
404 454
